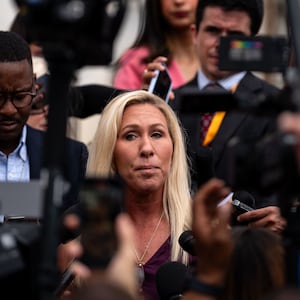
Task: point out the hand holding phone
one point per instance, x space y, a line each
161 84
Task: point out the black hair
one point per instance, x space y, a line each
154 34
254 8
19 26
13 48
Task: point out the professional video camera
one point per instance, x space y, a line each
85 29
268 165
264 166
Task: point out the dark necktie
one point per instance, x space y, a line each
207 117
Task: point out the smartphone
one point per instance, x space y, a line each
37 106
161 84
102 201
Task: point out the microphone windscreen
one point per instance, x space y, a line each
170 280
187 242
244 197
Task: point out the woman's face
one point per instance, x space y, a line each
179 13
144 149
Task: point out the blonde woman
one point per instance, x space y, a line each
139 138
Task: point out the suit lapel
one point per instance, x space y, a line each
34 143
249 85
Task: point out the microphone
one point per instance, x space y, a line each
170 280
243 201
187 242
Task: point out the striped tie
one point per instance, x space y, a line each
207 117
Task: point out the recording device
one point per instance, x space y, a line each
43 82
243 202
265 166
161 84
102 201
187 242
85 29
170 280
259 53
19 252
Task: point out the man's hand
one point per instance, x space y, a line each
267 217
211 231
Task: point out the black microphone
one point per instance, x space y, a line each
243 201
187 242
170 280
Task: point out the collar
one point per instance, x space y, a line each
22 145
227 83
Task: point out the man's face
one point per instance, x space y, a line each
216 23
14 77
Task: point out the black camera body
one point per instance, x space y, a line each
86 29
266 166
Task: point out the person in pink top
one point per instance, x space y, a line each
166 33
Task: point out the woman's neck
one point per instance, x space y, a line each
184 53
180 39
139 206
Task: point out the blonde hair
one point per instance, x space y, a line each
177 198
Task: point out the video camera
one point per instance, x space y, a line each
264 166
85 29
269 165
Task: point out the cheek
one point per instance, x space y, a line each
165 5
25 112
121 157
117 159
194 4
168 155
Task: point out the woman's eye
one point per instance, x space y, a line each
130 136
156 134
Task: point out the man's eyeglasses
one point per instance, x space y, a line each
18 99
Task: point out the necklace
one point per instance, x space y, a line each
140 264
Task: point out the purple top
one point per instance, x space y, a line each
161 256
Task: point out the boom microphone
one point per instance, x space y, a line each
187 242
170 280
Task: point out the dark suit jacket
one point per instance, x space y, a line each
217 159
74 165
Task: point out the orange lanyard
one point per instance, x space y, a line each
216 123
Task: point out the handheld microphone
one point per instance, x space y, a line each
187 242
170 280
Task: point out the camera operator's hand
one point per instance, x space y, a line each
212 231
268 217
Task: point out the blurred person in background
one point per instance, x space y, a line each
167 33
